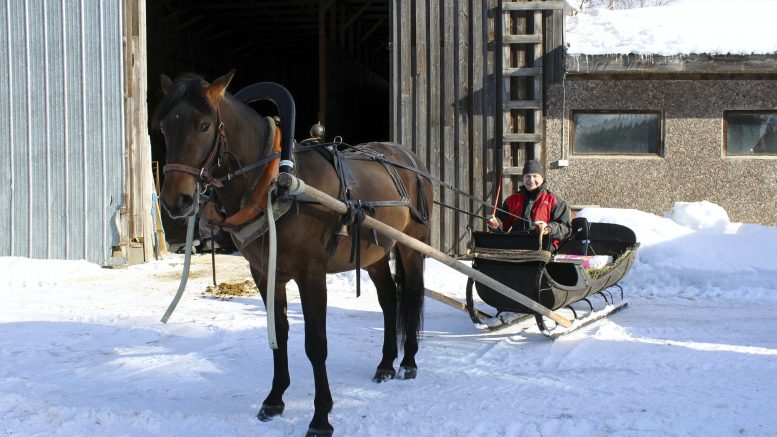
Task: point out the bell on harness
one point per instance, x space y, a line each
317 131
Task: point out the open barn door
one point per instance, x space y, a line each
332 55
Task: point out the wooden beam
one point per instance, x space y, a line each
523 71
522 39
372 29
239 48
358 14
523 104
512 171
523 138
189 22
217 35
533 6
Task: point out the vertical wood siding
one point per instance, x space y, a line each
443 104
61 128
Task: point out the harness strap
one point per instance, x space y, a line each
249 168
391 167
257 201
356 216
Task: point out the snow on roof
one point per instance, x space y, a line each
739 27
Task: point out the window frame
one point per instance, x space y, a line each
659 147
728 112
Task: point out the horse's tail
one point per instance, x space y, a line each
410 296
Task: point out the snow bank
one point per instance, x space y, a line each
694 250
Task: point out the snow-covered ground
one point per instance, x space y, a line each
681 27
82 351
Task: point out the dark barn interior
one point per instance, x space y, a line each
332 55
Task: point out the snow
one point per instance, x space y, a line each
740 27
82 351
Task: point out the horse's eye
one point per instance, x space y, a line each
204 126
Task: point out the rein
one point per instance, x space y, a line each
432 179
444 184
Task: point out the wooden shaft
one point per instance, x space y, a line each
427 250
447 300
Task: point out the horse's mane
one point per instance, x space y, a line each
187 87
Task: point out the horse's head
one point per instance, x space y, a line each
189 119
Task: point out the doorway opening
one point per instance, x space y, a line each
332 55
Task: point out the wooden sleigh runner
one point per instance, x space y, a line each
569 280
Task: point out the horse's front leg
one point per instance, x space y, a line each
312 290
273 404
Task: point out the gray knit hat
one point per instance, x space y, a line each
533 166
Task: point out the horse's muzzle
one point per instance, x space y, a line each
183 205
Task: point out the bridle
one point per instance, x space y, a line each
255 195
219 148
219 143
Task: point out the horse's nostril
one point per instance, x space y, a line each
183 202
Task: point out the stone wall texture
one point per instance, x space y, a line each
693 166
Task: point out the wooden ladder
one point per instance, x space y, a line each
522 48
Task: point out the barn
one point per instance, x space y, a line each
76 168
79 80
474 87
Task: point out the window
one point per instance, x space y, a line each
616 133
750 133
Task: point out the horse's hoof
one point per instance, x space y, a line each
383 375
315 432
267 412
408 372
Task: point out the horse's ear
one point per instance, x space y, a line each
217 88
166 84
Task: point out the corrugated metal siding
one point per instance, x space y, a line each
61 127
443 103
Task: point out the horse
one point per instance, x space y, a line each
209 133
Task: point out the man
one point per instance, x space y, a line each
534 206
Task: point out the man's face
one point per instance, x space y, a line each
532 180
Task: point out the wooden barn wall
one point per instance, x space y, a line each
61 128
443 104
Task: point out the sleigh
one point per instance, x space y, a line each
579 278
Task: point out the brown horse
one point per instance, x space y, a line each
208 134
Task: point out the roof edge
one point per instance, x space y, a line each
676 65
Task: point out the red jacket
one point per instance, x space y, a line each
541 205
